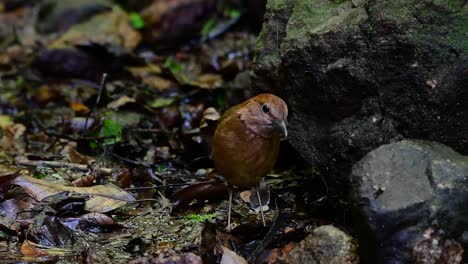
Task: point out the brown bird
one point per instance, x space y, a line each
246 142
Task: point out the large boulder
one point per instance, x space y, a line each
359 74
411 203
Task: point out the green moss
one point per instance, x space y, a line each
276 5
319 17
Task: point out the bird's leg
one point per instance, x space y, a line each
261 206
228 228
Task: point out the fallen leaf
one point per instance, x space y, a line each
230 257
5 121
107 28
79 107
120 102
157 82
208 81
9 210
30 249
162 102
103 198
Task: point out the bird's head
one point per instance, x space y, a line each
265 114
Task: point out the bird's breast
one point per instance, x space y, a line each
242 156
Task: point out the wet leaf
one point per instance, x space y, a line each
103 198
198 194
10 209
5 181
91 221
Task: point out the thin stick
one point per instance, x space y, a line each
261 207
61 164
228 228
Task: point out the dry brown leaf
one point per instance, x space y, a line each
157 82
208 81
106 28
30 249
120 102
76 157
79 107
103 198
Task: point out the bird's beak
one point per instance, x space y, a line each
281 125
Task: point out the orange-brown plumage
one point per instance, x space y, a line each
246 141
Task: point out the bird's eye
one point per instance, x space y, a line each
265 109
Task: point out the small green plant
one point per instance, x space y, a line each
110 131
174 66
208 26
136 20
201 218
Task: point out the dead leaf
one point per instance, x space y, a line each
157 82
107 28
5 121
120 102
230 257
9 210
79 107
13 139
76 157
208 81
103 198
30 249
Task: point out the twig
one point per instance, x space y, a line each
268 237
98 99
168 185
61 164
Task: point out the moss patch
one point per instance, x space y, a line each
320 17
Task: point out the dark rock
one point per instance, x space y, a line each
172 22
359 74
70 63
401 192
326 244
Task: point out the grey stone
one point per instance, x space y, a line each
402 190
359 74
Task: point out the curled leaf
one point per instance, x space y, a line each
103 198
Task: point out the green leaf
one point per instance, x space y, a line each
233 13
136 20
5 121
38 175
201 218
112 131
174 66
208 26
162 102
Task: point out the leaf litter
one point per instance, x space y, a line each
106 112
